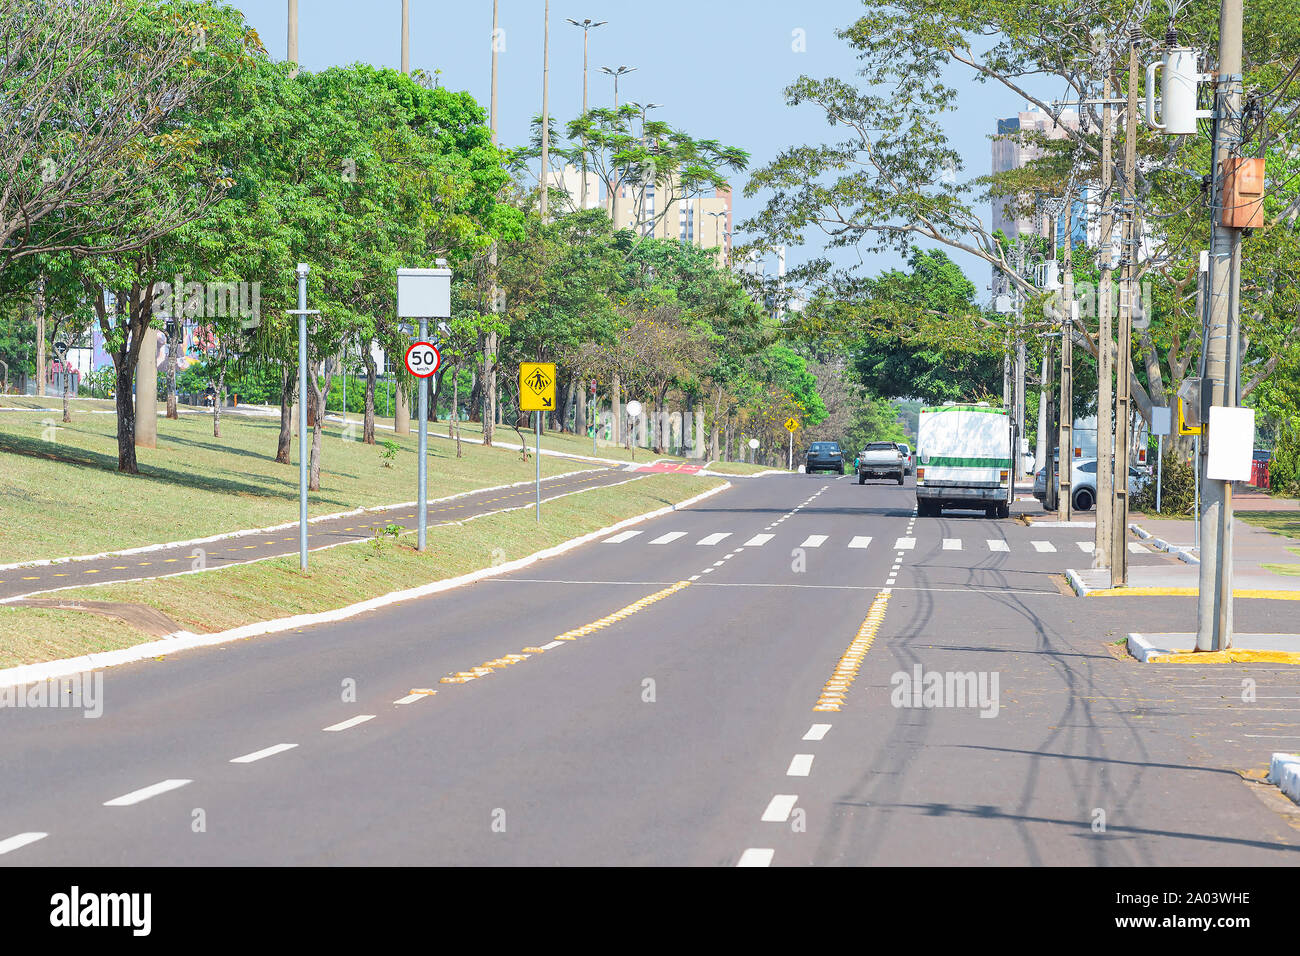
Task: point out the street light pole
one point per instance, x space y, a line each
490 340
617 184
546 111
302 312
587 26
293 42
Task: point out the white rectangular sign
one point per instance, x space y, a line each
1232 443
424 293
1161 420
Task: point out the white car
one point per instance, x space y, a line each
1083 482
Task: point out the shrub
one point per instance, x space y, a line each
391 448
1178 489
1284 469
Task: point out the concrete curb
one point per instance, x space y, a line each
1182 554
227 535
1147 653
1080 589
1284 770
185 640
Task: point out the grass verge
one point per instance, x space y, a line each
222 599
63 494
1282 522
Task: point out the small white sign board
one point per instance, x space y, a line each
1161 420
424 293
1232 443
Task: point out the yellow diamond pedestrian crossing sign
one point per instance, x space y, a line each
537 386
791 425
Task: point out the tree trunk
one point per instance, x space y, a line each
124 376
67 386
288 386
318 406
615 398
40 337
455 406
488 379
401 406
172 345
368 421
217 401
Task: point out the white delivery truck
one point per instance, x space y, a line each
963 459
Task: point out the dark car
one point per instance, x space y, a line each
824 456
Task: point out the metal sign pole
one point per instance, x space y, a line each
1160 468
538 416
422 480
303 269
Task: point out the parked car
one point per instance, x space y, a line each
1083 483
909 462
882 459
824 456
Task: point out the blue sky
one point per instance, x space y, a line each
717 66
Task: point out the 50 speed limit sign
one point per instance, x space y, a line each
423 359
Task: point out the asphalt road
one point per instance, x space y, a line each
20 582
718 687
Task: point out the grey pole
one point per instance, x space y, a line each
303 269
421 482
539 465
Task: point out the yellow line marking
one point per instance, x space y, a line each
1230 656
423 690
834 692
1272 595
31 579
118 567
90 571
144 564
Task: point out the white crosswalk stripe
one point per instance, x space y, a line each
814 541
621 537
669 537
860 541
759 539
1043 546
952 544
1138 548
1085 546
905 544
997 544
714 538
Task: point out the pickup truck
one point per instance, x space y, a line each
882 459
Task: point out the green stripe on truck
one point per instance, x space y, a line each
965 408
939 461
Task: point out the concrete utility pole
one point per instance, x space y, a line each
614 188
490 341
1102 506
1214 601
546 110
1065 410
401 404
293 37
587 26
406 36
1132 242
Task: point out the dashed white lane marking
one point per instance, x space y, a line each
670 536
756 856
759 539
860 541
411 698
260 754
1085 545
714 538
1138 548
621 536
694 577
144 793
817 731
1043 546
718 564
349 723
800 765
952 544
778 810
22 839
814 541
905 544
997 544
553 644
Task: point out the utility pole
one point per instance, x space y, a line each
546 111
1214 601
401 403
1065 408
587 26
615 397
293 37
1101 545
490 340
1132 241
406 36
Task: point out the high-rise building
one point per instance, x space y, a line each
659 210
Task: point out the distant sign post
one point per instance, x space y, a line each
537 395
792 426
423 294
1161 425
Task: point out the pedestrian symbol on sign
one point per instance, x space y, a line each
536 386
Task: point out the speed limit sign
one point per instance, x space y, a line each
423 359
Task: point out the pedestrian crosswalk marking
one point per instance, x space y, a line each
1043 546
904 544
860 541
714 538
1085 546
669 537
621 537
997 544
759 539
1138 548
952 544
813 541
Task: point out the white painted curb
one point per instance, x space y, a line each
1080 589
1140 647
1181 553
1284 770
273 528
184 640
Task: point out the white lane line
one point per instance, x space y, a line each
411 698
800 765
997 544
718 564
259 754
22 839
714 538
756 856
1085 545
759 539
1043 546
547 647
952 544
905 544
860 541
778 810
814 541
670 536
136 796
349 723
621 536
817 731
1138 548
